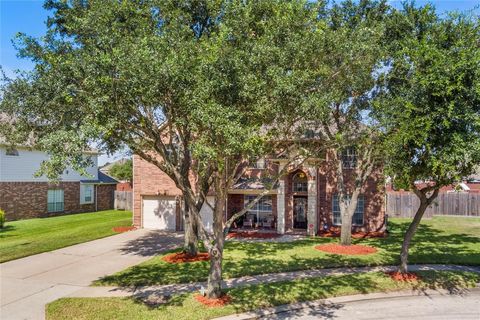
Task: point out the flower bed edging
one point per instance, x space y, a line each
354 249
181 257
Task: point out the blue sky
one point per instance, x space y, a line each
28 16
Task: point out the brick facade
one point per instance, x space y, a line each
149 180
24 200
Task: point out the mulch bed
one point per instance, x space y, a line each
223 300
356 235
354 249
252 235
123 229
182 257
398 276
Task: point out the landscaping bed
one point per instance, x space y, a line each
353 250
252 235
186 306
181 257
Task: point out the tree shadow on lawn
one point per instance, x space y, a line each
430 245
5 230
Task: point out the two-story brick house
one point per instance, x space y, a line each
304 200
24 195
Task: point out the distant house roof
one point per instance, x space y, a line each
106 167
102 179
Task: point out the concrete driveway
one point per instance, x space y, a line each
29 283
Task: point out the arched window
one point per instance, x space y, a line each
300 182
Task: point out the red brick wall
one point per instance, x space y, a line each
105 196
149 180
373 192
23 200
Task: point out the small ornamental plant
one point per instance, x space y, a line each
2 218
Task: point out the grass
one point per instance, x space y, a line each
449 240
254 297
26 237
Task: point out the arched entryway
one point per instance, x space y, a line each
299 189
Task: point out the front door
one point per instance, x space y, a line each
300 212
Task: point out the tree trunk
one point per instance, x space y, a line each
190 246
412 228
214 286
346 231
347 210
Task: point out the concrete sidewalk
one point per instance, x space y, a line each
27 284
254 280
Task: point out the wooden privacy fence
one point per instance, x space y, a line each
123 200
449 203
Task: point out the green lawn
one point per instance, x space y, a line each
439 240
26 237
252 297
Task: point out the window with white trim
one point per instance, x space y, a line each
349 158
357 219
86 193
262 210
55 201
300 183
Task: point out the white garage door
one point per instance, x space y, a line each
207 214
159 213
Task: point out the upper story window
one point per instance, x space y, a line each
300 183
349 158
12 152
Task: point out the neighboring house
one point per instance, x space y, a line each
123 185
22 195
305 200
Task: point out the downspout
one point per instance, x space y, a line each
96 197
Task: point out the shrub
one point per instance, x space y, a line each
2 218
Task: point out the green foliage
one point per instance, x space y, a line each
122 170
430 105
2 218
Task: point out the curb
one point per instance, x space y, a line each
256 314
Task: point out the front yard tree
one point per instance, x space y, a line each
430 108
338 103
186 86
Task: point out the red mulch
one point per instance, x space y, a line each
223 300
398 276
182 257
356 235
123 229
353 249
252 235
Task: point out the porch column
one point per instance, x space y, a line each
281 206
312 202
